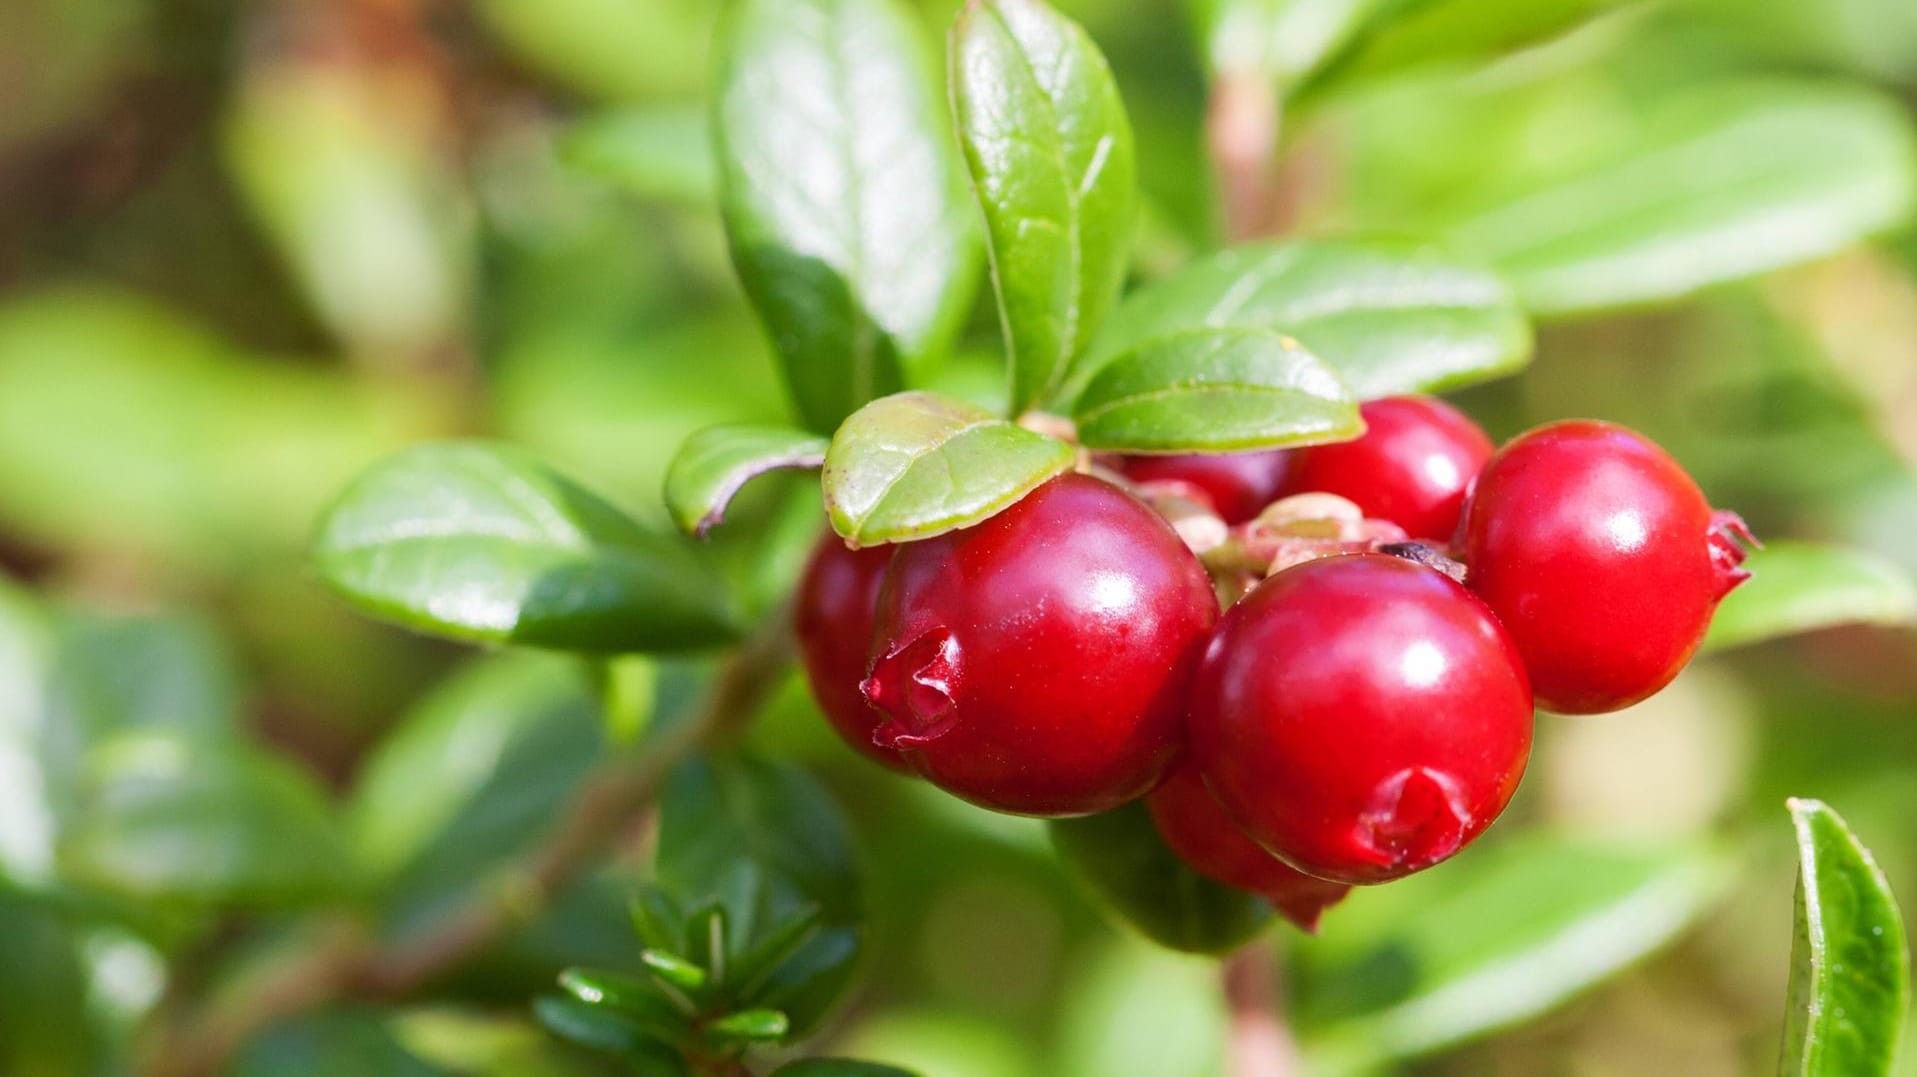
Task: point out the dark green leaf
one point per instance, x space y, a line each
1387 317
1050 151
715 462
754 966
806 985
655 919
841 195
1801 587
838 1067
632 998
1282 40
1850 966
346 1042
656 153
481 542
603 1031
750 1026
1125 865
915 465
1215 390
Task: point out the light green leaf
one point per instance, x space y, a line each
750 1026
481 542
1414 33
915 465
1704 195
1283 40
1802 587
1050 152
841 195
664 154
1389 318
715 462
1215 390
1850 965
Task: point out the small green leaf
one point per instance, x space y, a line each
663 154
655 919
1704 196
715 462
1120 858
841 195
1416 33
757 964
1215 390
605 1031
341 1041
838 1067
674 971
1050 152
635 1000
1283 40
750 1026
1850 966
915 465
481 542
1801 587
1389 318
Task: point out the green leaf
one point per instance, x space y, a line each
481 542
1050 152
1493 939
1802 587
1283 40
841 195
630 997
1415 33
1389 318
604 1031
339 1042
838 1067
1850 966
1120 858
715 462
674 971
1215 390
915 465
663 154
750 1026
1703 196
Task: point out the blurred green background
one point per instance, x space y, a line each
247 249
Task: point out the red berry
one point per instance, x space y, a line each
1039 662
1361 717
1601 557
1238 485
1411 467
1205 838
832 614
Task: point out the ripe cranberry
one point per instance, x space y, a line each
1205 838
1238 485
1601 557
1039 662
1361 717
1411 466
832 614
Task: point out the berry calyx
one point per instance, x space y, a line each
1204 837
1235 485
832 616
1361 717
1602 558
1039 662
1411 466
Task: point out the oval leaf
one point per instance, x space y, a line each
715 462
1050 152
1850 975
915 465
656 153
1704 197
1801 587
1431 32
1120 858
1283 40
1389 318
840 194
1215 390
482 542
838 1067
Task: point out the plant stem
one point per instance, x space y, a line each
1258 1043
1241 134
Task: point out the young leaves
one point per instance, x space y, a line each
1801 587
840 195
481 542
714 463
915 465
1387 317
1050 152
1850 978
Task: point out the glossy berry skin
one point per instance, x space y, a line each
1361 717
1205 838
1601 557
1039 662
832 615
1411 467
1238 485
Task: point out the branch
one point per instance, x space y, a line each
1241 134
1257 1043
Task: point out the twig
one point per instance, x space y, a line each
1258 1044
1241 134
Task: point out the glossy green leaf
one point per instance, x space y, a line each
1215 390
663 154
915 465
750 1026
715 462
1050 151
1414 33
838 1067
630 997
674 971
481 542
1123 863
1703 196
841 195
1283 40
1387 317
1802 587
601 1030
1850 964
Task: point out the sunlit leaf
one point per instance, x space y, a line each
715 462
1802 587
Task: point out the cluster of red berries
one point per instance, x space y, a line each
1357 715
